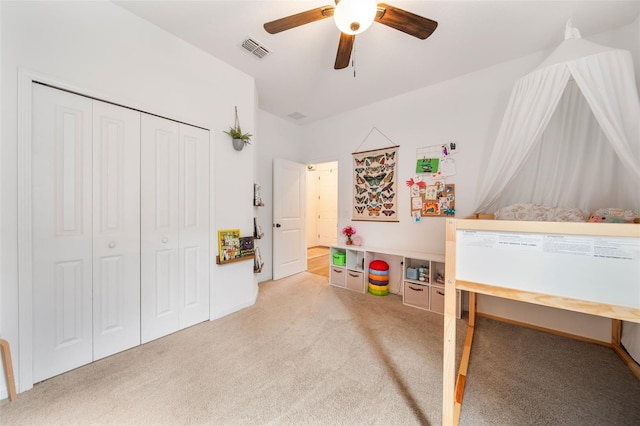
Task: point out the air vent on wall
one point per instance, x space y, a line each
255 48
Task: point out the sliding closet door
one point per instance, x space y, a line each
160 228
62 240
194 225
116 229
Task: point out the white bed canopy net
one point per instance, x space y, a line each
571 134
570 138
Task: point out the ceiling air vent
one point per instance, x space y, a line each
297 115
255 48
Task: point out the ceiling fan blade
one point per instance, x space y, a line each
299 19
344 51
404 21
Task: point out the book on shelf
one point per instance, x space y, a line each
228 244
246 246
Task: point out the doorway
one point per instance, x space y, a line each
322 217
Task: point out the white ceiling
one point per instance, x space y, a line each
298 76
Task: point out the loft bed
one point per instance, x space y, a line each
565 263
570 136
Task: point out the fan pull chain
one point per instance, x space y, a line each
353 59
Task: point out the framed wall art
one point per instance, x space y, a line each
375 180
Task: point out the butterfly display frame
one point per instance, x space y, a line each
375 185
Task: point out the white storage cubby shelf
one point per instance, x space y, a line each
419 277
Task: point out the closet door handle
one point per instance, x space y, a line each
112 244
165 240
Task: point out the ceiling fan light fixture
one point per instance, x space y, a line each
354 16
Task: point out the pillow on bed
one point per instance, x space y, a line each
614 216
537 212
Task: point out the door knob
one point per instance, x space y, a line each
112 244
277 225
165 240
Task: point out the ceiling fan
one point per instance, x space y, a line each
353 17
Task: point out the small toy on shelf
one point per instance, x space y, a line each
423 274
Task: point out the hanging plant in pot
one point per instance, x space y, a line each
238 138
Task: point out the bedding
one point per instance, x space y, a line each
537 212
611 215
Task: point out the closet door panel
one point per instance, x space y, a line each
160 228
62 228
194 225
116 229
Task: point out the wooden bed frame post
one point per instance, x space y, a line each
449 350
616 345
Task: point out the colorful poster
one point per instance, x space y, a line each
375 185
427 165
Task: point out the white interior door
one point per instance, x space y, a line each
116 229
194 225
62 240
289 199
160 230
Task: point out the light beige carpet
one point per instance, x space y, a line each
311 354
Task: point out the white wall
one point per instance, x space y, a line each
628 38
467 110
102 50
278 139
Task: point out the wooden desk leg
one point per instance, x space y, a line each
449 360
464 362
449 350
8 369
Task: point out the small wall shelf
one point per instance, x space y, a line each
257 196
258 263
235 259
257 230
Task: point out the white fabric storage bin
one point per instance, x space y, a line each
437 300
355 281
338 276
416 295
